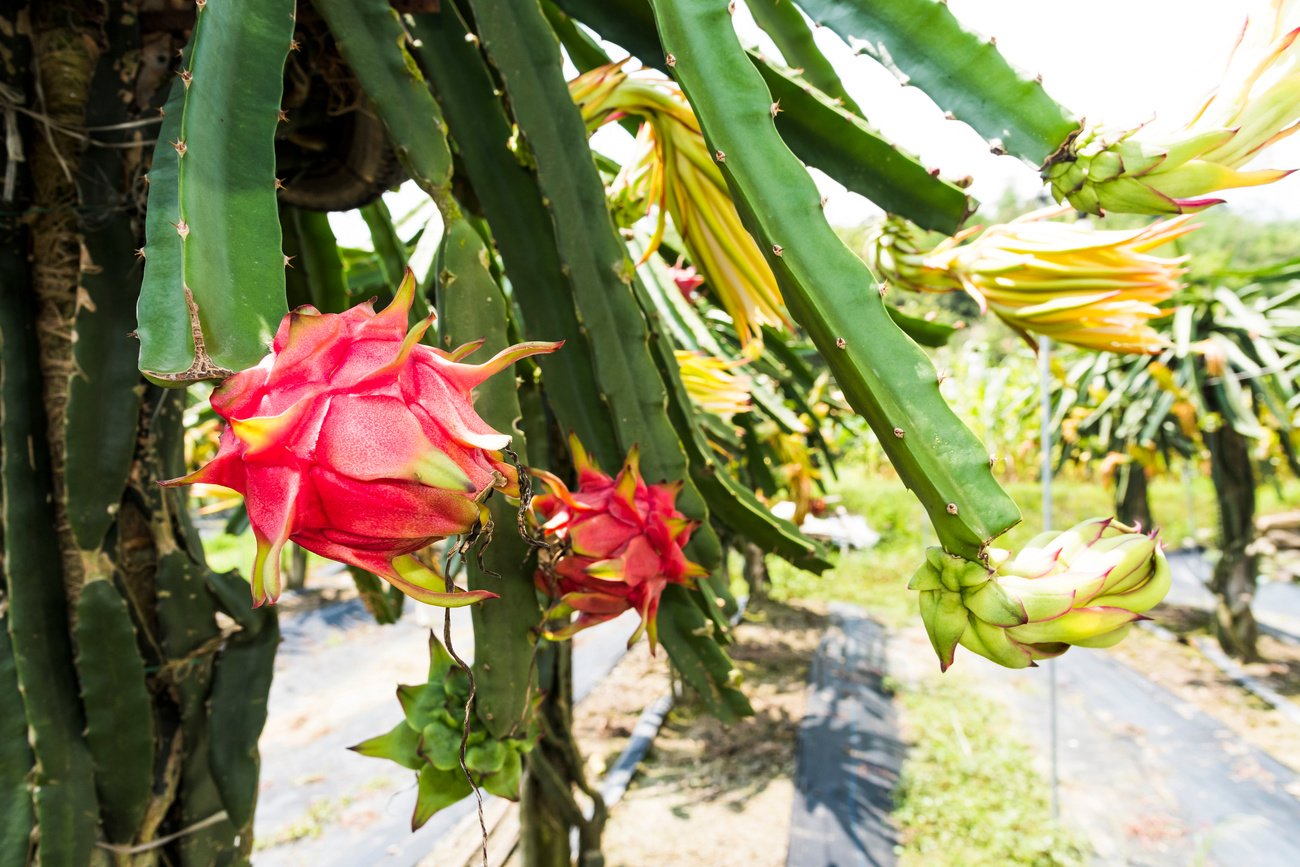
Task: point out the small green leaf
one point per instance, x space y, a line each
437 789
924 332
441 746
401 744
456 685
486 758
421 703
440 661
505 782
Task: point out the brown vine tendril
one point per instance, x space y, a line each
464 733
462 548
534 539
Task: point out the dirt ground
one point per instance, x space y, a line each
709 793
1180 668
722 795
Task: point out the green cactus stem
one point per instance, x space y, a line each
17 815
315 275
924 44
506 187
785 24
844 146
820 132
830 291
729 501
119 718
100 425
60 781
524 52
373 40
472 307
213 290
240 685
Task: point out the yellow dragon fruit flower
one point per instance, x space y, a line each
1097 289
1256 104
674 172
797 471
712 385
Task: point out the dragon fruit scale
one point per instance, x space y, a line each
620 544
359 443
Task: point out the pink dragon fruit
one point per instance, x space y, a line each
621 544
361 444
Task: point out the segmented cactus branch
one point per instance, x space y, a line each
924 44
829 290
214 267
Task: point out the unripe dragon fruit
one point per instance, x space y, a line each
1083 587
621 543
361 444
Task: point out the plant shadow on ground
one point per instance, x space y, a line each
731 763
1279 667
709 793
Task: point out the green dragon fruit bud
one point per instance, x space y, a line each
1256 105
428 741
1085 587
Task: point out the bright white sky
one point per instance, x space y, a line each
1121 61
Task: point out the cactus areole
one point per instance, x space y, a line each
620 544
361 444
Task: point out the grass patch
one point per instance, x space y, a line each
969 794
225 552
874 579
320 814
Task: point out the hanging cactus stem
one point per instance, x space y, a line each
885 376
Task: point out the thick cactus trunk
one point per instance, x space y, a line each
130 715
1236 572
1132 496
548 809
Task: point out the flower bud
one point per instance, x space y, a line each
1085 587
1094 288
1256 105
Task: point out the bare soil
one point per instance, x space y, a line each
710 793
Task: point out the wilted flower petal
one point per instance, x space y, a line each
711 384
673 170
1093 288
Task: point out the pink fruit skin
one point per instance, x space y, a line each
624 541
359 443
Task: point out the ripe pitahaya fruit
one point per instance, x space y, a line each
361 444
621 543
